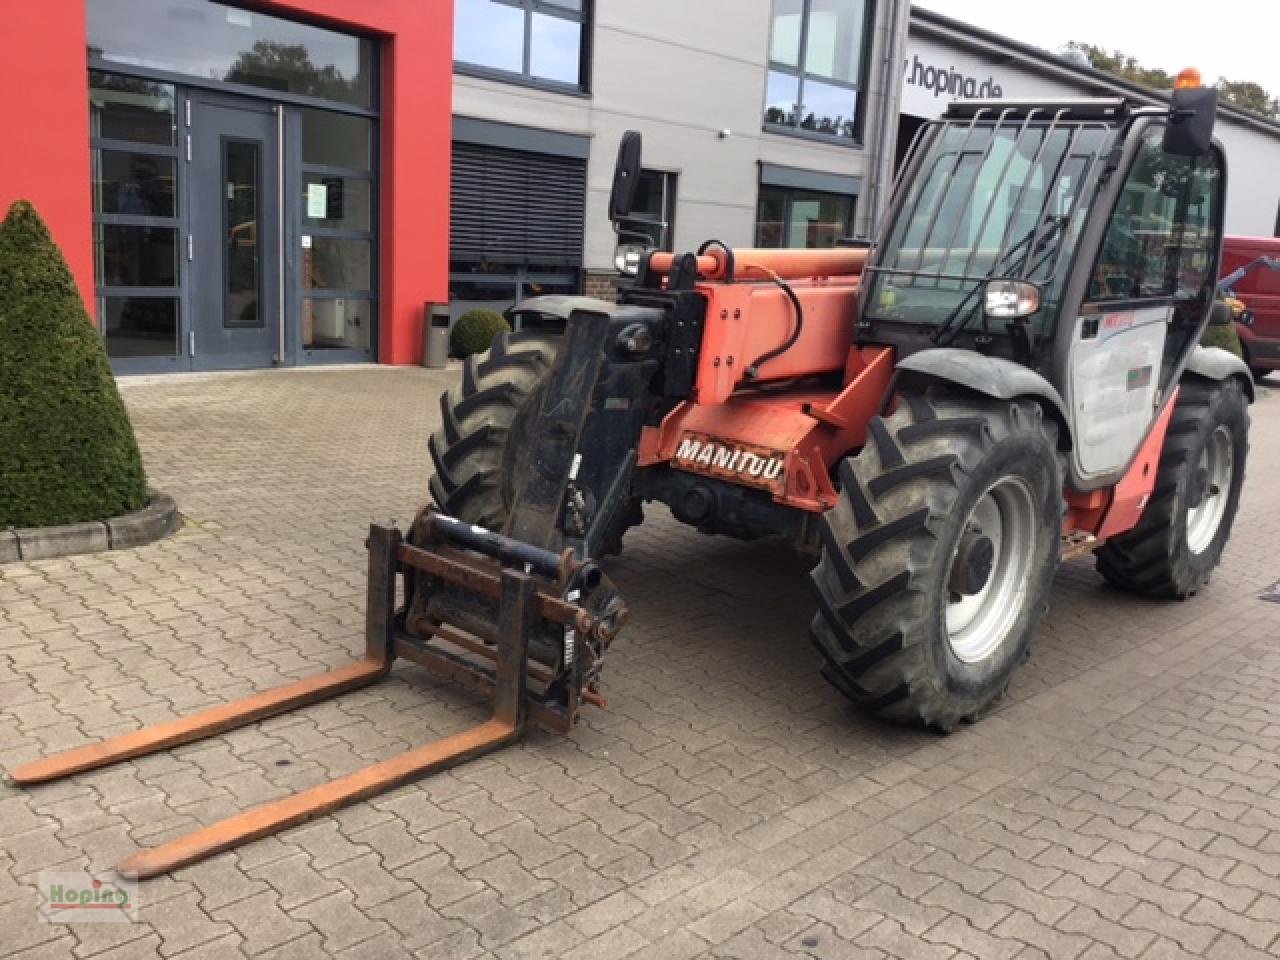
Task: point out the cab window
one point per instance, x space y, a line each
1163 234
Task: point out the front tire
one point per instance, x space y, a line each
939 557
484 442
1182 532
473 449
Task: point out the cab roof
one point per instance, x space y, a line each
1106 109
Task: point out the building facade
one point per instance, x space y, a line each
762 122
240 185
777 123
945 60
249 183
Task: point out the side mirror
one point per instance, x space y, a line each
626 176
1192 112
1221 314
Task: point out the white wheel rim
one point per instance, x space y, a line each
977 624
1217 460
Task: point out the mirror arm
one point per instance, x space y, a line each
641 221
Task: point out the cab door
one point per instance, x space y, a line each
1148 296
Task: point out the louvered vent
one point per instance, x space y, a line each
511 207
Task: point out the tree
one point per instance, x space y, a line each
67 449
1249 96
1122 65
288 66
1243 94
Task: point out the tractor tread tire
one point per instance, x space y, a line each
475 462
1153 559
469 450
878 625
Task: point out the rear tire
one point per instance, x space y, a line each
1182 532
900 636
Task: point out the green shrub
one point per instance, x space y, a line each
475 331
1224 336
67 449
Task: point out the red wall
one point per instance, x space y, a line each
44 106
417 100
44 113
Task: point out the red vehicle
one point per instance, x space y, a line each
1259 289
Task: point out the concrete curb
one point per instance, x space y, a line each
157 519
9 547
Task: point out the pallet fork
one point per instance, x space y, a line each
500 589
522 616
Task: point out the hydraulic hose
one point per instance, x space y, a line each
753 371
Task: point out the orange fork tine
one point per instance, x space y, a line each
196 726
300 807
383 544
506 726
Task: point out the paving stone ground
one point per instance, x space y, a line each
1122 801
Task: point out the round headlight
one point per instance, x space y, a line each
1011 299
626 258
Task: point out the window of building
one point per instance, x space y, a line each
540 40
656 200
336 199
817 67
134 162
516 226
787 217
215 42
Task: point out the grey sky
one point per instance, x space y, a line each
1235 39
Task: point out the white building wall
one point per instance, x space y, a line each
681 71
1253 180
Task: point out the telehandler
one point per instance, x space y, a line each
1009 376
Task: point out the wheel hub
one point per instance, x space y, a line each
1198 487
1208 489
975 559
991 568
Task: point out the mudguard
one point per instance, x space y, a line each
1214 363
992 376
551 311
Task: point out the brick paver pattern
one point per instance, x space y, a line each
1122 800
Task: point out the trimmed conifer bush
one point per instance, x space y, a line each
1224 336
475 330
67 449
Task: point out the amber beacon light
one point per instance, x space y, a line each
1188 79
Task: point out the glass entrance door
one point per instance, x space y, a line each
234 247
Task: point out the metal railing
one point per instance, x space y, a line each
1079 149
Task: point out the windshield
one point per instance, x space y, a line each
989 200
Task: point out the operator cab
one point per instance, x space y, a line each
1012 215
